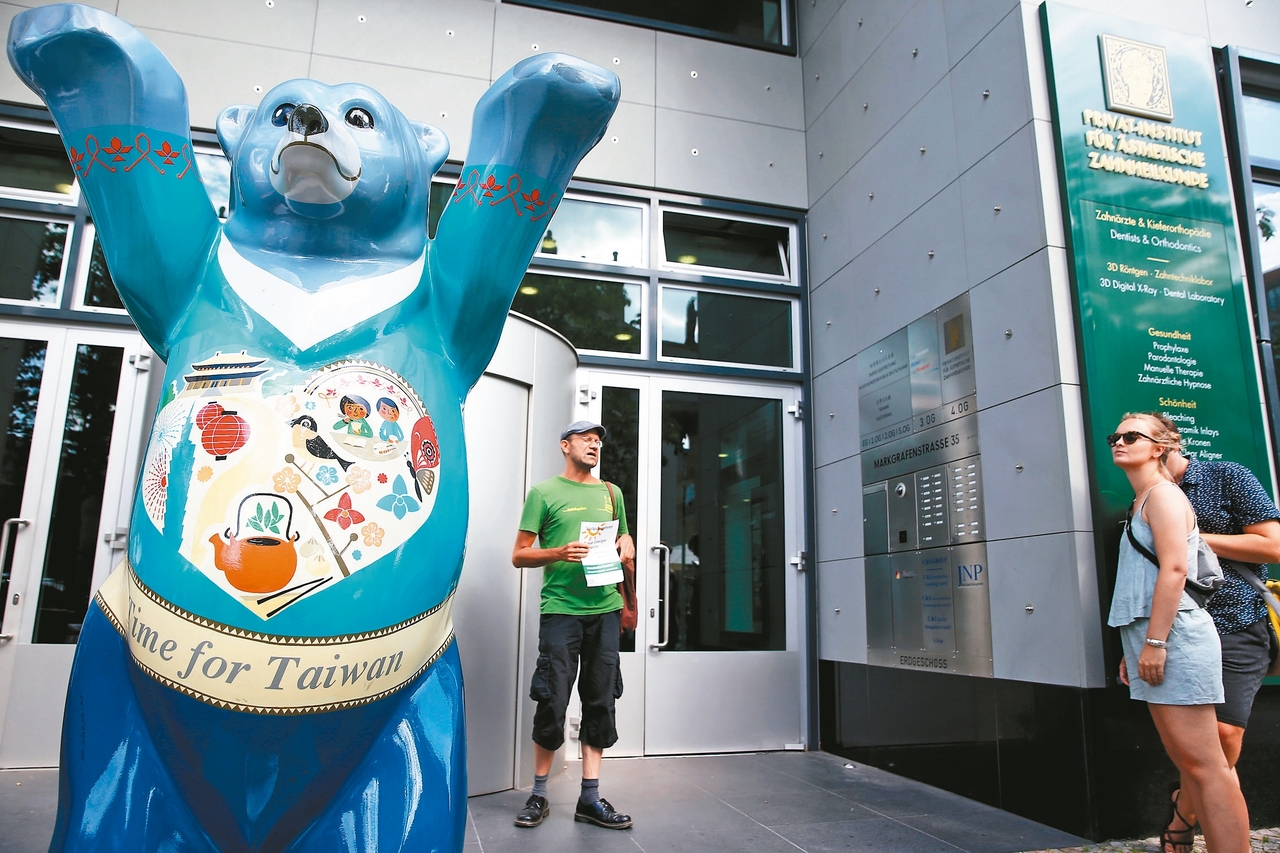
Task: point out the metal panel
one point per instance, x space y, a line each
884 390
911 281
863 34
1057 641
280 25
12 89
1242 25
1003 208
908 620
971 600
830 243
923 449
903 529
625 155
812 18
878 582
441 100
240 67
887 185
33 721
451 36
842 625
969 21
955 335
710 702
1014 334
835 414
875 519
517 29
831 320
735 159
839 496
991 95
710 78
937 614
487 603
1026 472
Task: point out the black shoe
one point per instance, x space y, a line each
534 811
601 813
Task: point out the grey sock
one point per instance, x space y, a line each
590 792
540 786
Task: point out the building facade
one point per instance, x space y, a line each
818 237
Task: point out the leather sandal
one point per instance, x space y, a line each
1177 840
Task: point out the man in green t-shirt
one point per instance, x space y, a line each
580 623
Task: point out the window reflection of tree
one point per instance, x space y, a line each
593 315
77 502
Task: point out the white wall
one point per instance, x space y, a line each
434 58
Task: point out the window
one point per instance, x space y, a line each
726 244
32 259
756 23
595 232
593 314
34 165
215 172
722 327
97 292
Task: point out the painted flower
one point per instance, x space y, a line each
204 474
286 480
311 405
372 534
287 406
356 555
343 513
382 478
398 502
358 479
327 475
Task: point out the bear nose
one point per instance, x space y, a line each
307 120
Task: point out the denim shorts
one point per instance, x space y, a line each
1246 655
564 643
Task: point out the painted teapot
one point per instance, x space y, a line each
265 559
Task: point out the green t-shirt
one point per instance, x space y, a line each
555 510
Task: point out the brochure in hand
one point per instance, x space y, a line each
602 564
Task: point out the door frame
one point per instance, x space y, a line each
34 676
636 736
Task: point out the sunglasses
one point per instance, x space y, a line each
1128 437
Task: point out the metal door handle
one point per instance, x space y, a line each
665 557
6 537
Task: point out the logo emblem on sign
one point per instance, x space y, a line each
1136 78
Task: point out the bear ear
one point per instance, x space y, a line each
434 144
231 126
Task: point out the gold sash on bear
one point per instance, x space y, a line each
267 673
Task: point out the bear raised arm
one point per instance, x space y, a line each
277 647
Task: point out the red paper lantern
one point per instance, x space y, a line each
207 414
224 433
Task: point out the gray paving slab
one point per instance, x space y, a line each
762 803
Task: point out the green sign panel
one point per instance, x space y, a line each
1163 321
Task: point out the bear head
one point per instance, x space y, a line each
329 172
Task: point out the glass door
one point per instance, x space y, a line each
74 403
718 654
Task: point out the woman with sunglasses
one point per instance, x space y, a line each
1172 659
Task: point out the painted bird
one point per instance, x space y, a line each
306 436
424 456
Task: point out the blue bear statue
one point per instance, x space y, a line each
273 666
